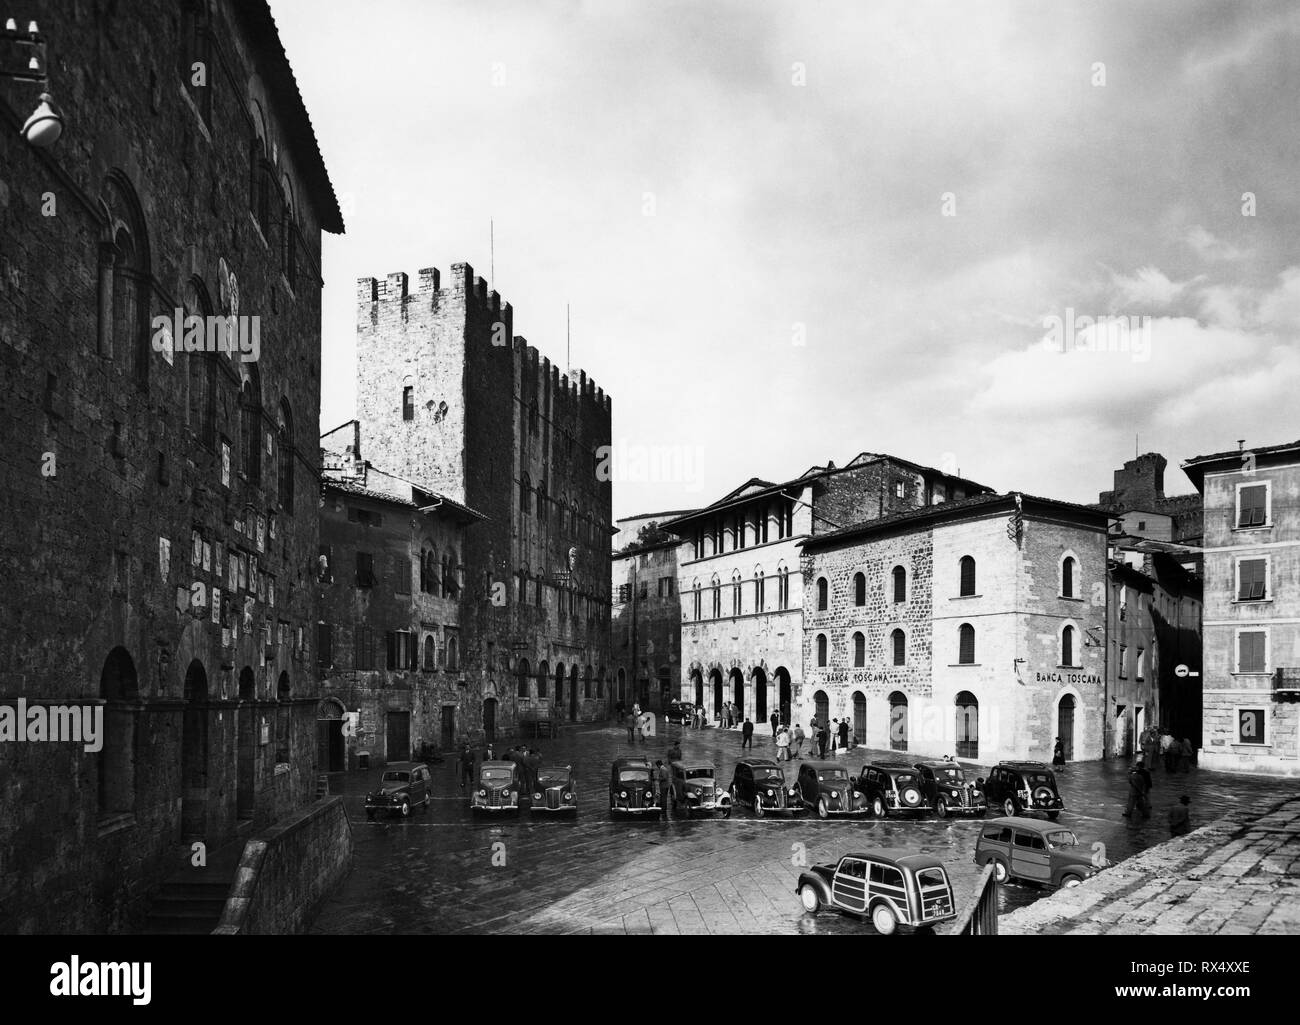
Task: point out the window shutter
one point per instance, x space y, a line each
967 641
413 651
390 639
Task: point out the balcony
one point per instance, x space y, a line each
1286 683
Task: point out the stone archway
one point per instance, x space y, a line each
331 745
737 679
246 746
194 754
715 677
760 695
783 696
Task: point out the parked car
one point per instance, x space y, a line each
949 791
1035 850
694 789
890 887
556 790
761 784
678 712
632 790
1018 787
892 787
499 785
404 785
826 787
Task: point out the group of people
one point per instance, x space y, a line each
640 724
528 759
1177 757
1176 754
821 735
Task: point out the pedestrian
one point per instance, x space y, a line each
466 766
782 744
823 737
1168 749
747 735
775 721
796 741
1180 817
534 761
1185 755
1136 793
835 734
1151 744
1058 753
630 722
844 735
674 753
1146 793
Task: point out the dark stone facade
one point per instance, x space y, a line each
160 508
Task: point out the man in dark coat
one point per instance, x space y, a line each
775 721
823 738
466 766
1180 817
747 735
1137 792
844 734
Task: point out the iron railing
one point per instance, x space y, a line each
981 916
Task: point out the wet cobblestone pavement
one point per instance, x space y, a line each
433 872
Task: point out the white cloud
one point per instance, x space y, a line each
1208 247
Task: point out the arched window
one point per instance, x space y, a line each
759 597
859 650
408 402
525 494
717 598
967 576
782 588
521 671
900 584
430 653
859 589
286 454
968 721
1067 646
735 593
543 674
453 653
898 640
823 594
821 649
898 721
698 608
119 688
1067 578
250 416
966 645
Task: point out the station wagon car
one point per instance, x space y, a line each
632 790
1034 850
499 785
949 791
1018 787
890 887
761 784
892 787
555 790
826 787
404 785
694 789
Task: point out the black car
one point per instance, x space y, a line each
827 788
405 785
631 789
556 790
1019 787
761 783
678 712
892 787
949 791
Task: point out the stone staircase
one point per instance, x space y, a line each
192 900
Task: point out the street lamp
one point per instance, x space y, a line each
45 125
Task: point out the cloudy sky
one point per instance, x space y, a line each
794 231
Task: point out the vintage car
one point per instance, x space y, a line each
892 787
499 786
555 790
1037 851
404 785
949 791
1018 787
632 789
890 887
693 789
678 712
761 784
826 786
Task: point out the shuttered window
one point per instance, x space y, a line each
967 576
1250 651
966 644
1251 574
1254 506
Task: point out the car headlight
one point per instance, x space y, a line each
835 793
482 793
622 793
537 797
856 794
771 793
568 797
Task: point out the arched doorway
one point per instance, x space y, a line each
968 725
760 695
898 721
543 677
738 690
715 677
783 693
194 754
822 707
119 688
246 723
330 744
859 718
490 720
1065 725
559 687
573 692
697 678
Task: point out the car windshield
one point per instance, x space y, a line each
929 877
634 776
771 774
699 773
1062 838
496 776
830 775
553 777
1038 779
950 775
397 777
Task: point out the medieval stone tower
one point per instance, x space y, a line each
451 399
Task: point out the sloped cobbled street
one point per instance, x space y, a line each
434 872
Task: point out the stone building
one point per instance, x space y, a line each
740 584
646 622
972 629
158 488
1251 681
1141 507
388 641
451 400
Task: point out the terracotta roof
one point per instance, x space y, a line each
351 488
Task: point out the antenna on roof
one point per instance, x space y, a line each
1241 444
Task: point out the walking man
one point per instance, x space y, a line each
835 734
1137 796
747 735
1185 754
796 741
823 737
1167 748
783 745
775 721
630 722
466 766
844 735
1180 817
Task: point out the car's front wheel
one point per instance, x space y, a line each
810 898
726 811
406 809
1009 807
884 919
878 808
823 812
941 808
1071 881
1000 870
758 807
